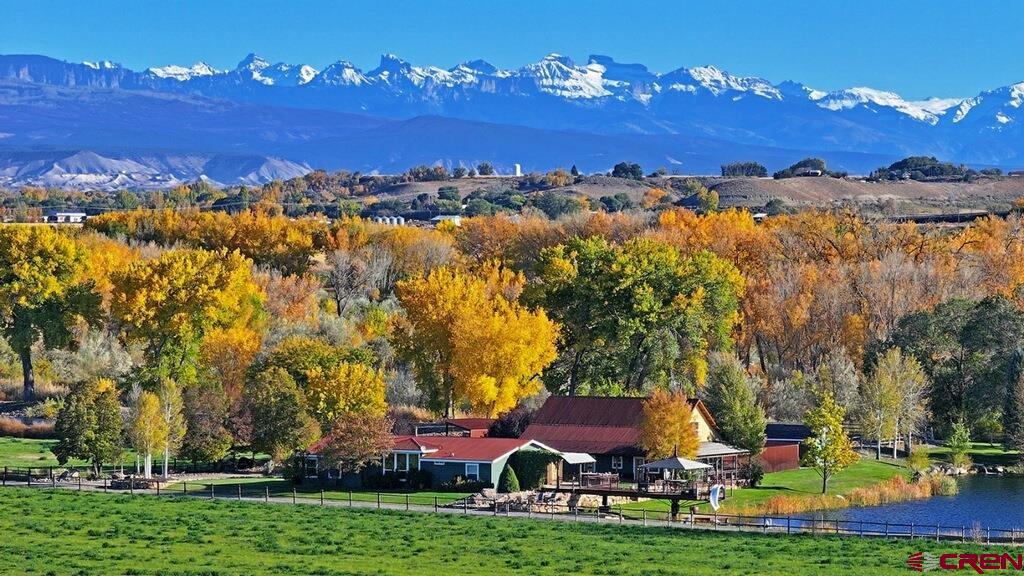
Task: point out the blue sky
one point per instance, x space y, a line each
915 47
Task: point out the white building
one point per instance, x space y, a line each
58 217
518 169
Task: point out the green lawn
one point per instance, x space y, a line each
806 481
83 534
279 487
33 453
982 453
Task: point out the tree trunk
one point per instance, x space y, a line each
824 482
28 391
878 447
147 468
167 458
895 440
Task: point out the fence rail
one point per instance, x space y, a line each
537 509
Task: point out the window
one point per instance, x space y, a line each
414 461
616 462
472 471
389 462
590 467
403 463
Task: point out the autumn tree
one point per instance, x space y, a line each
147 429
171 406
469 340
347 388
43 292
880 400
828 449
667 427
170 304
357 439
89 424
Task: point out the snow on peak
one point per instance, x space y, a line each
718 82
558 76
101 65
937 106
181 74
342 73
252 62
863 96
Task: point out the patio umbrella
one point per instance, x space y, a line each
676 463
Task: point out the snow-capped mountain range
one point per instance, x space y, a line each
601 97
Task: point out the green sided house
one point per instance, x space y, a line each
450 457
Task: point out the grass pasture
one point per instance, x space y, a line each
57 533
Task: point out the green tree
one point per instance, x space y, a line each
508 481
959 444
634 314
206 412
485 169
89 424
732 398
880 400
43 293
1013 408
828 449
277 407
355 440
147 429
629 170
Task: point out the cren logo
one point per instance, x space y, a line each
922 562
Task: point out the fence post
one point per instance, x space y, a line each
576 513
212 494
53 479
80 484
937 532
29 477
293 494
988 538
435 504
645 516
321 496
886 528
911 530
465 505
813 521
104 485
789 520
157 487
5 475
378 500
407 502
266 494
239 490
861 528
349 498
716 519
963 533
494 504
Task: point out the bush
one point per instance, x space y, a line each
918 460
531 467
753 472
460 484
508 482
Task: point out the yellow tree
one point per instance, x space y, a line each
469 341
170 303
348 388
148 429
43 292
667 427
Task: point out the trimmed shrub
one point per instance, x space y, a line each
508 482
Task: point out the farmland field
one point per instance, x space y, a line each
68 533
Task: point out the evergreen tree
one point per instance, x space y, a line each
732 399
1013 410
508 481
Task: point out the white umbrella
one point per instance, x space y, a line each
676 463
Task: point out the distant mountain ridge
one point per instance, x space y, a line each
609 100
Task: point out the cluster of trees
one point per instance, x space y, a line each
748 169
927 168
807 167
261 331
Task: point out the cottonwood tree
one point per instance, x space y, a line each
89 424
277 407
206 412
469 341
171 405
351 276
43 293
667 427
347 388
828 449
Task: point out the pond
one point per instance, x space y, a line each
988 501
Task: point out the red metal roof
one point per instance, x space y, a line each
460 447
592 424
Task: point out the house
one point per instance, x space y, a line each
454 219
784 445
445 459
608 429
60 217
472 427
